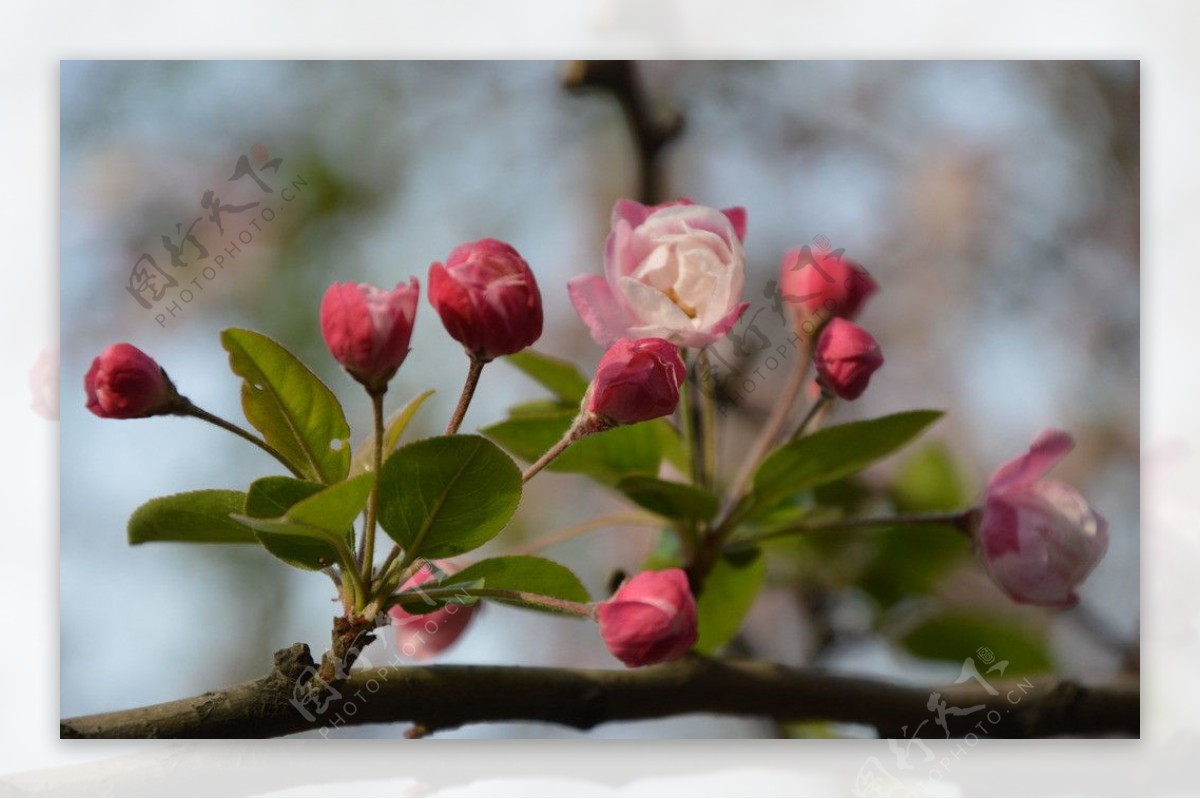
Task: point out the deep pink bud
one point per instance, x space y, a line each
1039 538
636 381
824 283
368 329
846 357
422 636
126 383
487 298
650 619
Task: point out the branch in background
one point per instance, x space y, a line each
651 129
444 697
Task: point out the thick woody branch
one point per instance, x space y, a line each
442 697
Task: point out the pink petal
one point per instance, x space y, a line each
631 211
599 308
737 218
1046 451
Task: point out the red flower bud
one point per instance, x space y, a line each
368 329
1039 538
650 619
126 383
824 283
636 381
422 636
487 298
846 357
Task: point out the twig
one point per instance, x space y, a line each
444 697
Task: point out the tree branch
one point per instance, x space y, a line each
444 697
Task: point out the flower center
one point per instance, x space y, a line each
683 306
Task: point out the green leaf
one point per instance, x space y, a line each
393 430
833 453
194 517
608 456
447 495
729 592
296 413
559 376
666 498
273 497
958 635
911 560
528 574
311 534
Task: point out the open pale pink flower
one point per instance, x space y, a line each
674 271
487 298
368 329
650 619
423 636
1039 538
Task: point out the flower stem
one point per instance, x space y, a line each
708 420
187 408
464 401
687 420
585 425
957 519
821 402
770 431
367 560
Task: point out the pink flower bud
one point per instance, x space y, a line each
636 381
824 283
368 329
126 383
650 619
1039 538
846 357
422 636
487 298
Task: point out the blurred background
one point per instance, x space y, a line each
995 202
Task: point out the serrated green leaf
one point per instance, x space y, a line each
394 429
447 495
669 499
560 377
193 517
831 454
296 413
957 635
729 592
312 533
609 456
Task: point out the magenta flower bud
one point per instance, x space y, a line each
636 381
824 283
422 636
487 298
126 383
650 619
368 329
846 357
1039 538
